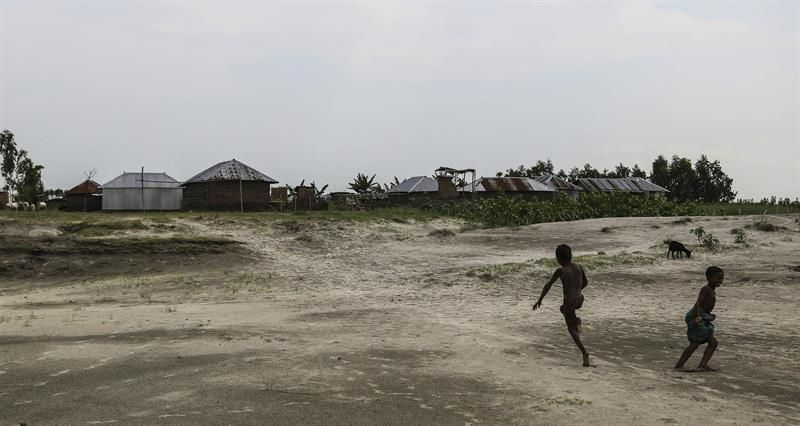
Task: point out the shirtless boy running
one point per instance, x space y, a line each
573 280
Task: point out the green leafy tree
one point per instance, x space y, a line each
9 154
30 187
682 179
660 172
622 171
712 183
541 168
637 172
362 184
23 177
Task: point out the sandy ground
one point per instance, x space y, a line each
381 323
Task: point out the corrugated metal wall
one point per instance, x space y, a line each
131 198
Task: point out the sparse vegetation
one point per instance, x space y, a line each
705 239
761 224
740 236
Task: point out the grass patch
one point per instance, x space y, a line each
591 263
442 233
762 225
97 229
305 238
66 245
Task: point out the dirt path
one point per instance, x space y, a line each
382 323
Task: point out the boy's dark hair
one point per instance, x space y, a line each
711 271
563 252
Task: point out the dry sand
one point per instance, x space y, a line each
381 323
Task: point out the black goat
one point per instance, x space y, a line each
676 247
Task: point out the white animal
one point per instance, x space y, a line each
41 205
12 206
25 206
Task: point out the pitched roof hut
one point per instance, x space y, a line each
142 191
229 185
414 190
84 197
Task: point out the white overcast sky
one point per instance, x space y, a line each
321 91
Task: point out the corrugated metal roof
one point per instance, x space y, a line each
416 184
134 180
558 183
508 184
230 170
619 184
86 187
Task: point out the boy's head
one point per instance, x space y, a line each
715 275
563 254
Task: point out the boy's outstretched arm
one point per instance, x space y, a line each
556 275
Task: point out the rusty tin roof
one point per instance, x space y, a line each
86 187
509 184
230 170
619 184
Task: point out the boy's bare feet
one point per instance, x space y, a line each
706 368
586 360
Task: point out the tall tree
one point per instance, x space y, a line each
621 171
30 186
539 169
682 179
9 154
22 176
712 184
637 172
660 172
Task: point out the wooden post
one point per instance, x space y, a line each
142 179
241 197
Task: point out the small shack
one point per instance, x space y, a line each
84 197
525 187
229 185
561 185
142 191
632 185
413 191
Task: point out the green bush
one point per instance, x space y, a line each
505 210
706 239
740 236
